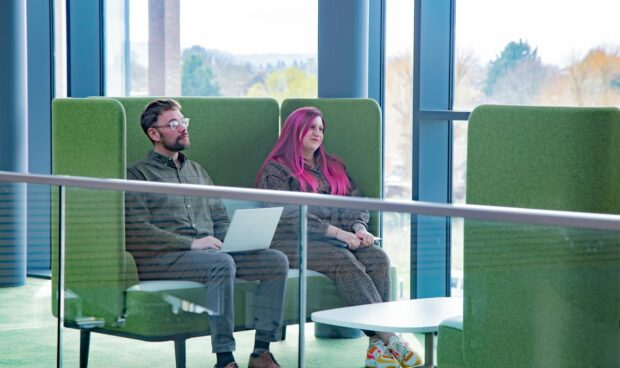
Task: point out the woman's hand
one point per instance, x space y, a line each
350 239
366 239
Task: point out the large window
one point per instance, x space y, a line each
398 117
459 161
60 49
534 52
529 53
224 48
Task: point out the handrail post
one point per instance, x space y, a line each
303 251
60 285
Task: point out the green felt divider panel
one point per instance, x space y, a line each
450 334
542 296
88 139
544 157
230 137
353 133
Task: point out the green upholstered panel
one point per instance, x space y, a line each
321 294
544 157
84 132
539 296
450 344
353 133
88 139
230 137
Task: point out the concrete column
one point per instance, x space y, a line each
164 48
13 141
343 48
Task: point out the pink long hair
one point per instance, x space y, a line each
288 151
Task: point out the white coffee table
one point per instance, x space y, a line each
411 316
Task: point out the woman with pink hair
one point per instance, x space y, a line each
339 244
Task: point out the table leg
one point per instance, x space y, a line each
429 345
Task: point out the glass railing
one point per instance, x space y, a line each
127 284
28 330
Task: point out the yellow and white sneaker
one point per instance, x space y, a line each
406 356
378 355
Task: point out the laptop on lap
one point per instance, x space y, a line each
251 229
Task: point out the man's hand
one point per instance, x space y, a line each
208 242
365 238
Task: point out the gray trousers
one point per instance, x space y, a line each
362 276
218 270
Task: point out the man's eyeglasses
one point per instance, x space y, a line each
174 124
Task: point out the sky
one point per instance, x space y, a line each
242 26
561 29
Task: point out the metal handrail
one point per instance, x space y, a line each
478 212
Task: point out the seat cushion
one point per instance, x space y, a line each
160 308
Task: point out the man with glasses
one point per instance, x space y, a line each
179 237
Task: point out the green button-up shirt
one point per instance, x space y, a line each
161 222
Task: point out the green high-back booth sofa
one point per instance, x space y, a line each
539 296
100 137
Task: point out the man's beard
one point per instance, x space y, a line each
176 147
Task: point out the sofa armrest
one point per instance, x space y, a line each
131 271
450 343
454 322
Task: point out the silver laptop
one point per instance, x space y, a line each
251 229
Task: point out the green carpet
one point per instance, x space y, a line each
28 339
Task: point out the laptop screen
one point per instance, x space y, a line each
252 229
